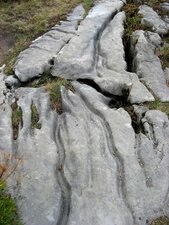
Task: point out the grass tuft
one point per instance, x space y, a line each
162 106
53 88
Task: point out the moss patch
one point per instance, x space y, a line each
160 221
8 208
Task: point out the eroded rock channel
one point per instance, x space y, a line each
104 159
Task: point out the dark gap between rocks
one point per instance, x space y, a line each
128 54
98 36
116 101
136 123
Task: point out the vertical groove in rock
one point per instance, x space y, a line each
114 154
116 161
64 185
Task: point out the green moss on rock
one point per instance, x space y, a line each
8 208
163 220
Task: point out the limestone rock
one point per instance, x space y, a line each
152 19
89 156
147 65
165 6
77 59
12 81
96 163
86 57
35 60
36 190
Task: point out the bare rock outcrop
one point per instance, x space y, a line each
103 160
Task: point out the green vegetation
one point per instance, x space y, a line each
164 107
88 4
8 208
16 119
26 20
133 20
161 221
45 78
53 87
35 117
163 54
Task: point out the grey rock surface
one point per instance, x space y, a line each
35 60
79 55
79 168
89 55
165 6
153 20
6 145
147 65
12 81
36 188
166 73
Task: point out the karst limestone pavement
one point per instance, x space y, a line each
90 165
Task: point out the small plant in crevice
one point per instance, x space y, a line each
132 23
53 88
16 119
163 220
35 117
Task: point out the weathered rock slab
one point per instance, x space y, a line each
147 65
153 20
77 59
35 60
